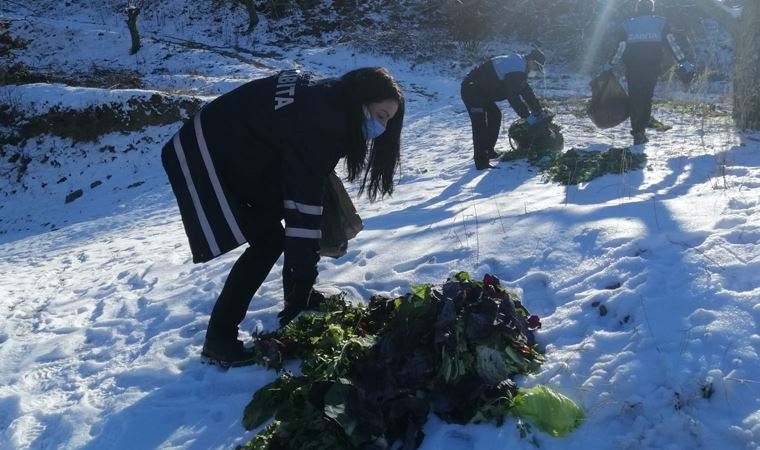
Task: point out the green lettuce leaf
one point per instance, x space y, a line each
548 410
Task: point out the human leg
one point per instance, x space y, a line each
493 124
476 108
245 278
641 85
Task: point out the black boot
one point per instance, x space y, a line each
639 137
299 296
296 295
481 164
226 353
291 309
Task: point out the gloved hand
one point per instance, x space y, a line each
536 118
686 72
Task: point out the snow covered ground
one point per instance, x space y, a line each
647 282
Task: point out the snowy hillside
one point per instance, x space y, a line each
646 282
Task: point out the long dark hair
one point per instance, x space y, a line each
380 161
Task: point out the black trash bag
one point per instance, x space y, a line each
541 137
686 72
609 101
340 222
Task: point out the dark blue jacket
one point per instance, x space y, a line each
271 143
644 38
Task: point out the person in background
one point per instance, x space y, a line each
261 154
500 78
640 46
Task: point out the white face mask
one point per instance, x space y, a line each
372 128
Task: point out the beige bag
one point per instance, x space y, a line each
340 222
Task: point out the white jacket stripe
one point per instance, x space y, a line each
207 231
229 217
303 233
677 52
304 208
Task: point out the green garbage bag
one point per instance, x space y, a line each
549 411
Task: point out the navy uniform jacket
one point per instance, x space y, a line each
641 40
259 153
505 78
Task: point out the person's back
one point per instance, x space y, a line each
640 46
273 112
500 75
644 38
505 65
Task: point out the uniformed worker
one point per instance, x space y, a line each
500 78
640 46
262 153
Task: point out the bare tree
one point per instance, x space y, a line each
132 11
744 25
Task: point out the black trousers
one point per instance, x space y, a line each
641 83
267 239
485 117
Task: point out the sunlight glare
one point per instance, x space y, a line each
597 35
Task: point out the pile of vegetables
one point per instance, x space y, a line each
370 374
579 166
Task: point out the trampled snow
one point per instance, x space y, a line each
646 282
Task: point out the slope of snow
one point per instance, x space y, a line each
646 282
